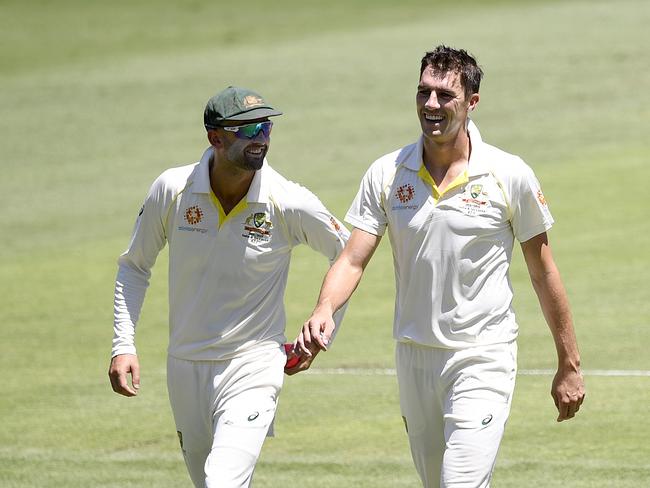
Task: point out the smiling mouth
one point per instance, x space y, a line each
256 150
434 118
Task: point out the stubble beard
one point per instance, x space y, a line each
246 161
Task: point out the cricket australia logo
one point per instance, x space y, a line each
257 227
193 215
405 193
476 202
252 101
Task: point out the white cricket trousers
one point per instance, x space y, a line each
223 411
455 405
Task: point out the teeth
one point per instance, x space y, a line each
436 118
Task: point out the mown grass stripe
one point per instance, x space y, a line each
522 372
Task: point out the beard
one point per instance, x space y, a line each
247 160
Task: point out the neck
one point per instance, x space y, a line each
229 184
446 160
446 153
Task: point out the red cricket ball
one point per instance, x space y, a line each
292 359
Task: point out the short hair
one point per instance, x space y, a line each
444 59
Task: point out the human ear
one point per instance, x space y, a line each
473 101
214 138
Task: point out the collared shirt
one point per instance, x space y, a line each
227 273
452 249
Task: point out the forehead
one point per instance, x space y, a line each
435 79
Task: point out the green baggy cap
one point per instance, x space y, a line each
234 104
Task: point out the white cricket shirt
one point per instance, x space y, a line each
452 251
227 274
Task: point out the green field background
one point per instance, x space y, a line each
98 98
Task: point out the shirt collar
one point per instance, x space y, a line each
258 192
411 157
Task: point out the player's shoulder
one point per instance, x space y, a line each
285 193
173 181
384 168
177 176
504 165
394 159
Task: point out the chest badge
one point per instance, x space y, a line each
193 215
257 227
405 193
476 202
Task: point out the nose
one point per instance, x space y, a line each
432 102
261 137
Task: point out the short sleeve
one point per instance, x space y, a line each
311 223
530 213
367 211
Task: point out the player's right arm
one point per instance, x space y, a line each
131 283
369 219
340 282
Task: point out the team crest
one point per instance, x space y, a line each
259 218
405 193
252 101
475 190
257 227
541 198
193 215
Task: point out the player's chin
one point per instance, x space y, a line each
255 160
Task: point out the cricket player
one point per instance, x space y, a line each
231 223
453 206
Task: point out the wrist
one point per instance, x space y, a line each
569 363
324 307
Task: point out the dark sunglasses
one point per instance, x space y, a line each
251 130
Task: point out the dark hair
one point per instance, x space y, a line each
445 59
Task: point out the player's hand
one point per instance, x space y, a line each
121 366
316 332
303 360
568 392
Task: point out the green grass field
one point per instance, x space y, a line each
98 98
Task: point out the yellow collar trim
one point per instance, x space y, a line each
425 176
222 214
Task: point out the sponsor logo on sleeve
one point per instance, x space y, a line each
541 198
336 225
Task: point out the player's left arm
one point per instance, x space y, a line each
310 222
568 390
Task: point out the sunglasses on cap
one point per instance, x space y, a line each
249 131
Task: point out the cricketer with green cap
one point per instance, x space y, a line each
236 104
231 223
